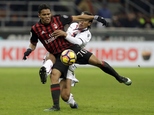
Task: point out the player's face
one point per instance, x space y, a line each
84 24
45 16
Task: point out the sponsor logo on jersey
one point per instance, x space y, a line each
55 26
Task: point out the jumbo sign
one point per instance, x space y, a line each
120 54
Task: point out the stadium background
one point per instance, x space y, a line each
127 44
127 41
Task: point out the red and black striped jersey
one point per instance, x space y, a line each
43 33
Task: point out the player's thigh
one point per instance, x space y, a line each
93 60
83 56
61 67
55 75
51 57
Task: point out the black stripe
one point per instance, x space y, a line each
81 40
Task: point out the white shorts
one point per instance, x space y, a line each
71 76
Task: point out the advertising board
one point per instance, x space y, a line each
119 54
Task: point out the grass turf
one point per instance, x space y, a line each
97 93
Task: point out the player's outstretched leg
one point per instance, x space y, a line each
126 80
108 69
104 66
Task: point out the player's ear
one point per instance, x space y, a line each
89 24
38 15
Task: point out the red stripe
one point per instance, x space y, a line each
55 88
102 63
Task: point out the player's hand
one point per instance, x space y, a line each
58 33
27 52
101 19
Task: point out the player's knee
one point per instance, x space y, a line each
55 77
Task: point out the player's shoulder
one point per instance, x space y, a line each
88 31
87 34
36 25
74 25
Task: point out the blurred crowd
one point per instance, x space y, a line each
122 17
134 17
113 10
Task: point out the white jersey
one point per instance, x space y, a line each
76 36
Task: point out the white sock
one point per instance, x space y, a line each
48 65
71 100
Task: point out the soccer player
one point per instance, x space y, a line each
43 30
79 34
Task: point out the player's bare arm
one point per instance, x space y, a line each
32 47
82 17
68 37
88 17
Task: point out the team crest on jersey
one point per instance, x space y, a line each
43 32
55 26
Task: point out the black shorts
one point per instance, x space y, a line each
82 58
60 66
82 54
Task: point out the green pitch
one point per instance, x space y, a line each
21 93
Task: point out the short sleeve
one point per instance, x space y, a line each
34 37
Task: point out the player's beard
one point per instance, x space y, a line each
46 21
